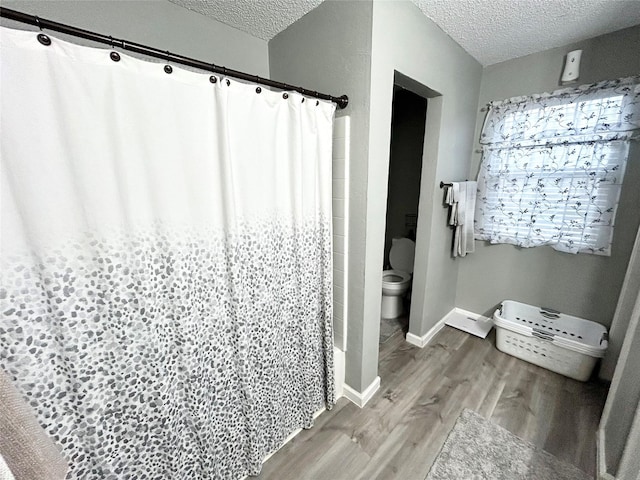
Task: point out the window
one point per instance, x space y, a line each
553 165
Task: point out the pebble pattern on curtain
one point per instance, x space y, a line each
166 261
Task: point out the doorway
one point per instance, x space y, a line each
408 119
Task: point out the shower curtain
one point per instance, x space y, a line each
166 261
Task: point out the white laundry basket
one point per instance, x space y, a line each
561 343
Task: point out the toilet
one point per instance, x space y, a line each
395 283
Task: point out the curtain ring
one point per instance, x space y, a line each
115 56
168 68
42 38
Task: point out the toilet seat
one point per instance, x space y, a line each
395 276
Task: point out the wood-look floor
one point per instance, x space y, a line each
398 434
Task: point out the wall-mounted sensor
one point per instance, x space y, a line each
571 67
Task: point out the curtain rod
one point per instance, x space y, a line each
41 23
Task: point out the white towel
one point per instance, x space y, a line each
453 195
461 196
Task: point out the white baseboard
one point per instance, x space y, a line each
426 338
478 325
361 399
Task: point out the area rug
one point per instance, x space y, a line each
477 449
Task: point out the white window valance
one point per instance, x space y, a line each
553 166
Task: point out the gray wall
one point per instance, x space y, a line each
405 165
329 50
157 23
584 285
345 47
436 67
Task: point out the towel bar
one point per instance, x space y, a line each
443 184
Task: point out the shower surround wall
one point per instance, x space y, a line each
340 198
582 285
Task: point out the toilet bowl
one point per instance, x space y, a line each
396 282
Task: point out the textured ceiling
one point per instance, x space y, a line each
492 31
261 18
498 30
